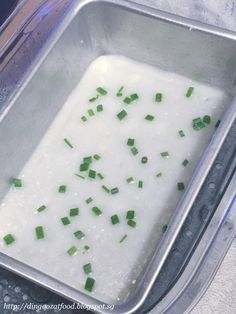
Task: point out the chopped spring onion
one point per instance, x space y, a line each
130 180
97 211
84 119
144 160
72 250
101 91
115 219
123 238
119 92
149 117
180 186
93 98
74 212
39 232
90 112
158 97
159 174
68 143
62 189
80 176
134 151
79 234
16 182
189 92
92 174
181 133
41 208
122 114
140 184
9 239
89 200
89 284
164 228
130 214
86 248
101 177
128 100
217 124
65 221
84 167
198 124
130 141
97 157
87 268
206 119
114 190
87 160
131 223
105 188
165 154
99 108
185 162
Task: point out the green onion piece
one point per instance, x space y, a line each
164 228
119 92
140 184
123 238
65 221
97 157
87 268
79 234
130 141
93 98
92 174
144 160
72 250
90 112
185 162
158 97
41 208
206 119
39 232
130 180
9 239
80 176
87 160
84 167
86 248
149 117
134 97
130 214
99 108
128 100
62 189
84 119
121 115
134 151
101 177
105 188
68 143
89 200
131 223
181 133
16 182
189 92
114 190
165 154
159 174
217 124
180 186
101 91
74 212
89 284
198 124
115 219
97 211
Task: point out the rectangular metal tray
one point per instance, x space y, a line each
87 30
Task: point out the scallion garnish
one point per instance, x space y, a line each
121 115
79 234
217 124
206 119
114 190
68 143
134 151
198 124
159 174
181 133
72 250
89 284
65 221
87 268
90 112
185 162
158 97
119 92
9 239
130 180
131 223
130 141
115 219
97 157
180 186
93 98
80 176
165 154
101 177
99 108
97 211
87 160
105 188
16 182
89 200
62 189
149 117
86 248
144 160
84 167
74 212
41 208
140 184
189 92
39 232
130 214
123 238
101 91
84 119
128 100
92 174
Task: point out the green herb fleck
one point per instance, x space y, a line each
101 91
130 214
89 284
9 239
206 119
149 117
93 98
165 154
41 208
74 212
68 143
144 160
198 124
105 188
181 133
130 180
72 250
123 238
189 92
97 157
180 186
90 112
99 108
65 221
62 189
130 141
80 176
39 232
159 174
128 100
89 200
16 182
158 97
87 268
84 167
79 234
131 223
140 184
115 219
217 124
114 190
134 151
84 119
119 92
101 177
185 162
122 114
97 211
92 174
